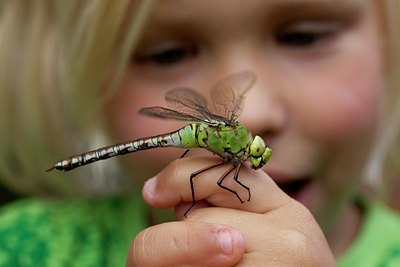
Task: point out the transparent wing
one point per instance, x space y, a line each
228 94
188 101
167 113
185 105
188 105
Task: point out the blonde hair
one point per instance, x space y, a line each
55 58
383 167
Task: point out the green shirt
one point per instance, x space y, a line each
69 232
378 243
99 232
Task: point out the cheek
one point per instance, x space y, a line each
349 105
124 123
122 113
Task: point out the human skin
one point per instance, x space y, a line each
317 102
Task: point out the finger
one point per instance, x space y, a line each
182 207
289 235
172 186
187 244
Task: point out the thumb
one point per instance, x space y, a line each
187 244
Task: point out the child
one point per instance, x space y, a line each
322 101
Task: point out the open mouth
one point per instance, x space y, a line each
294 188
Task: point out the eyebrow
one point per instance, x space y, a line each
347 12
331 6
320 3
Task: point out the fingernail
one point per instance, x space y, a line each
149 187
225 240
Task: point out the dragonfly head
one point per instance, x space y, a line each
259 153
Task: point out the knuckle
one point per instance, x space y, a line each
298 245
295 240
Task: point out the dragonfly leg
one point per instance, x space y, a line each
194 174
184 153
237 180
223 178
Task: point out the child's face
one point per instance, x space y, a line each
318 95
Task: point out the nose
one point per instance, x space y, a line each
264 111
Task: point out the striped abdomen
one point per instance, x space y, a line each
184 138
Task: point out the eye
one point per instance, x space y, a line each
306 34
170 56
166 54
297 39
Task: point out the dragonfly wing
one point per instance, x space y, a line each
191 103
228 94
166 113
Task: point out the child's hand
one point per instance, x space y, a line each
270 230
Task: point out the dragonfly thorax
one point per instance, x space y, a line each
230 141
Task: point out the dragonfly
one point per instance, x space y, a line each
214 128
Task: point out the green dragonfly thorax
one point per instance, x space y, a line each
232 141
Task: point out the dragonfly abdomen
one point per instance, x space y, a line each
184 138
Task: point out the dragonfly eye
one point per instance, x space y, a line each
259 153
257 147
